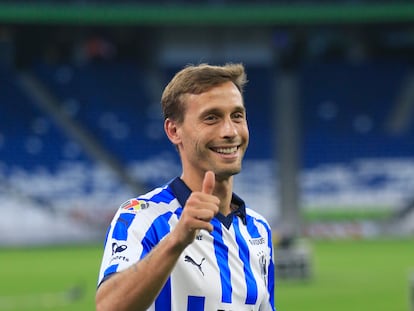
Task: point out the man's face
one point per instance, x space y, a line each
214 133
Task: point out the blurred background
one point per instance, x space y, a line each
330 104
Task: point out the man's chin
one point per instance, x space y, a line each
225 174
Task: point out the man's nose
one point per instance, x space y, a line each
228 129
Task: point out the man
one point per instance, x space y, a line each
193 245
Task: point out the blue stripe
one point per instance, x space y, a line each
165 196
178 212
159 228
163 300
195 303
271 268
121 227
222 257
244 255
251 228
110 270
271 283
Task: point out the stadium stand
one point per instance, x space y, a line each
29 138
106 73
348 120
111 101
344 128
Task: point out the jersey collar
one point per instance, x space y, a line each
182 192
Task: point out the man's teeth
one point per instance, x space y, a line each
226 150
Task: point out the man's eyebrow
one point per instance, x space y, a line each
211 111
218 111
240 109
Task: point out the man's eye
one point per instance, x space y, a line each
238 115
211 118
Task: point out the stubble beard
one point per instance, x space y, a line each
222 172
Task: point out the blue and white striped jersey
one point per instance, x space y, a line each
230 269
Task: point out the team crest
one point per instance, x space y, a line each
134 205
263 267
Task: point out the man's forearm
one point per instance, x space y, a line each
137 287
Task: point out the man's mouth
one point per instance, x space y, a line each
226 150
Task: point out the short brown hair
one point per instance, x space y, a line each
197 79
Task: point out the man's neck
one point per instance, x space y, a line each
223 189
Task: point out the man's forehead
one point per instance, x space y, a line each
226 90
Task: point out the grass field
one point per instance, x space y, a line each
347 275
353 275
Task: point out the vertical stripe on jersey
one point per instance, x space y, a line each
244 255
163 300
121 227
252 229
271 283
271 267
195 303
222 256
159 228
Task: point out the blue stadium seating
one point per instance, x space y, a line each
340 121
345 109
29 139
112 104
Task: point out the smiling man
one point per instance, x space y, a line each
193 244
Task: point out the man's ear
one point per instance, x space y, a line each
172 132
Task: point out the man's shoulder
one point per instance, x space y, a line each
253 213
158 195
256 215
161 196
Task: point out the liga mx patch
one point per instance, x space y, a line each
134 205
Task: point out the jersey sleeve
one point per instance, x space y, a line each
270 306
123 245
267 231
271 274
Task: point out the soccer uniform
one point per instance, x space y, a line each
230 269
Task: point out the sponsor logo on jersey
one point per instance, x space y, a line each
192 261
118 248
257 241
134 205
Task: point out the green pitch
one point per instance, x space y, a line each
347 275
353 275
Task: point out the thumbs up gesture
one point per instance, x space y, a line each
208 183
199 210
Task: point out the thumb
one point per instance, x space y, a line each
208 182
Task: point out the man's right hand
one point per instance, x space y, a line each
200 209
